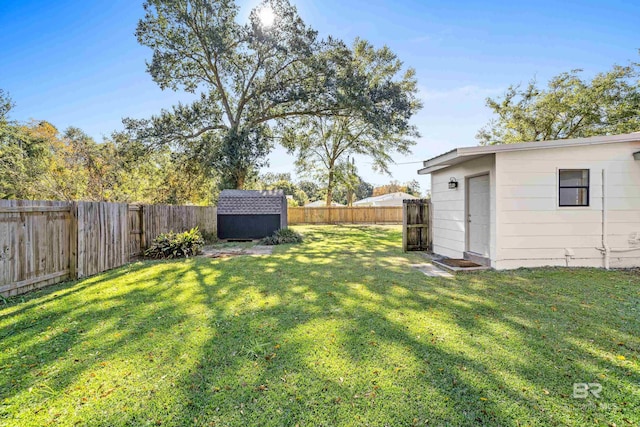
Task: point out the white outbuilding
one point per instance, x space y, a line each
321 204
391 199
573 202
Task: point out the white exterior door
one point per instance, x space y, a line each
478 199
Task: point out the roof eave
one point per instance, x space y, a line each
454 157
444 157
431 169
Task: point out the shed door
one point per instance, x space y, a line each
478 197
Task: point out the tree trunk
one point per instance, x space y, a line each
330 188
240 181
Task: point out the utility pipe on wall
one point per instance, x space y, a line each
605 245
605 249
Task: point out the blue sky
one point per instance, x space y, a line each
78 63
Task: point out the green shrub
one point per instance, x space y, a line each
270 241
176 245
281 237
209 237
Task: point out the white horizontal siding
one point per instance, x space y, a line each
550 241
450 224
449 195
450 205
532 230
621 261
438 214
551 204
552 229
590 154
452 235
569 229
544 191
511 264
449 221
621 165
551 253
591 216
445 249
594 262
524 179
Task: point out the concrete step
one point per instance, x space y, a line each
477 258
453 269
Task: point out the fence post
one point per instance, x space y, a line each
73 241
143 245
404 226
430 226
80 208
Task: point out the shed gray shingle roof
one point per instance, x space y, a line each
251 202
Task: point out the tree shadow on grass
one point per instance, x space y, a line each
67 340
285 378
337 331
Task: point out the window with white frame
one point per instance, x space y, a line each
573 187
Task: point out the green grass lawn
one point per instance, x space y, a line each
339 330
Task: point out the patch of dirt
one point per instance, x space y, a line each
461 263
231 252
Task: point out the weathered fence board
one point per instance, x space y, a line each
104 233
35 245
346 215
416 225
135 230
47 242
159 219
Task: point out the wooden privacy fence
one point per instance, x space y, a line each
346 215
416 225
45 242
148 221
35 245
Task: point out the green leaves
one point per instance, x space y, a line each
570 107
24 154
255 79
282 237
176 245
247 74
378 100
6 104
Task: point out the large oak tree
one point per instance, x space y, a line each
248 76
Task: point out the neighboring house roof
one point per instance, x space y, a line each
385 198
460 155
320 204
251 202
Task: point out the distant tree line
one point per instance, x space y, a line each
306 191
37 161
412 187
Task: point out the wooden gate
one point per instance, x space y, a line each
136 233
416 225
